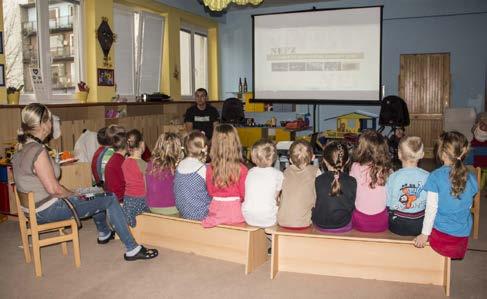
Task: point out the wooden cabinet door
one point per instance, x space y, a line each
424 83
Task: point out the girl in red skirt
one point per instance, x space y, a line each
225 178
450 191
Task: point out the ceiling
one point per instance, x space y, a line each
288 2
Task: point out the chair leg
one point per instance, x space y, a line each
36 249
476 220
77 258
64 247
25 241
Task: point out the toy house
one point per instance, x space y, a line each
352 123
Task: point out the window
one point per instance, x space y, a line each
139 51
193 59
43 34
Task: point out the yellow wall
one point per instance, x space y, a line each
171 84
3 90
94 11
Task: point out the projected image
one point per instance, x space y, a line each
318 55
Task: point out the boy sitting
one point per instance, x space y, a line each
406 199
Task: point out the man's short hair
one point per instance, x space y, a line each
202 90
411 148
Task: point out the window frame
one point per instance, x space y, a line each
45 58
195 30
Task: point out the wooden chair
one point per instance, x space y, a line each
29 226
476 201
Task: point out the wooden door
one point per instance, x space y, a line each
424 83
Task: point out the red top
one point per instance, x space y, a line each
114 181
479 158
94 171
237 189
146 155
133 172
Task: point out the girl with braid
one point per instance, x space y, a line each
335 192
450 191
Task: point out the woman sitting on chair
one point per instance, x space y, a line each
35 171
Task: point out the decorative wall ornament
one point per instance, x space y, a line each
219 5
106 38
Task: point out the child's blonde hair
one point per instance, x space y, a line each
336 155
301 153
226 155
453 147
167 153
196 145
373 151
264 153
411 149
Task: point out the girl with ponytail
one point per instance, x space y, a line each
450 191
335 191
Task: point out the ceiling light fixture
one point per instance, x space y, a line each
219 5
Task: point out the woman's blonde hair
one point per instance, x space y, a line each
411 148
167 153
264 153
32 116
373 151
226 155
453 147
196 145
301 153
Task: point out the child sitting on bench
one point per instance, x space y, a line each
371 168
191 195
450 191
225 178
262 186
406 199
335 192
298 188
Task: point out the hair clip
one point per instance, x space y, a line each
336 176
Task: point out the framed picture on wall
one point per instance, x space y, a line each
2 75
1 42
106 77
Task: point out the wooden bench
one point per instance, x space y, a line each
382 256
239 244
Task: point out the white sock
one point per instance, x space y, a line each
133 251
103 237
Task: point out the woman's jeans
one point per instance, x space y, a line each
97 207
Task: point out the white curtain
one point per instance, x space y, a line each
123 19
151 36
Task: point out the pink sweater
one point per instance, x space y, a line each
368 201
237 189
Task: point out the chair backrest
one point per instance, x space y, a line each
459 119
27 200
477 171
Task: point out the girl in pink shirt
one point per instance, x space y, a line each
134 168
371 169
225 178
